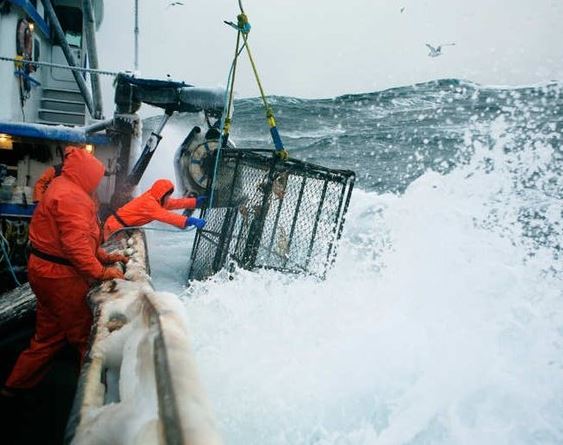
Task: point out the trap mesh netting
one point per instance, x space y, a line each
268 213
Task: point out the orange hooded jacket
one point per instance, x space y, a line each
148 207
65 222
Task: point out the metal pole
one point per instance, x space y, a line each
136 35
99 126
89 27
148 151
50 11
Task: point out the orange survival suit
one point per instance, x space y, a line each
150 206
65 259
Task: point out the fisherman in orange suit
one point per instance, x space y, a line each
154 205
65 260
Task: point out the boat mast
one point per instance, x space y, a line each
136 31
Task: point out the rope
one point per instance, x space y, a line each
124 229
225 120
243 28
3 244
227 125
57 65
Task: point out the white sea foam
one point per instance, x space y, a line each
440 323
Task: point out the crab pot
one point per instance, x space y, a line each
268 213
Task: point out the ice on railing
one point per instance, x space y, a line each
141 384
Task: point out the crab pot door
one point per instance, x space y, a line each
267 213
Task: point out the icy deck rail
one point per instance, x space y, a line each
139 382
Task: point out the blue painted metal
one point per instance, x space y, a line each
34 15
16 209
22 73
53 133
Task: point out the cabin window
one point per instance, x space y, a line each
71 22
36 50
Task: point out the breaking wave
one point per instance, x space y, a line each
442 319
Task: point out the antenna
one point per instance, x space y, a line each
136 31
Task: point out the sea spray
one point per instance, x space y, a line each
442 320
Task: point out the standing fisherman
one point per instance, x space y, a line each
65 260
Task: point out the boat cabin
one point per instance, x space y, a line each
44 106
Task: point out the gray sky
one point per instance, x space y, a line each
325 48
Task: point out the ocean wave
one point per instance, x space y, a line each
442 319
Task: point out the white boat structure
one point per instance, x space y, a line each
139 381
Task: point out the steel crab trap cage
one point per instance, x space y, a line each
265 212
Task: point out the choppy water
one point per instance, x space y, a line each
442 320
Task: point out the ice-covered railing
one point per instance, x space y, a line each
139 382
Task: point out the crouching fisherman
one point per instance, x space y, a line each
154 205
65 260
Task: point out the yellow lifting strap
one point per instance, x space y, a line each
243 27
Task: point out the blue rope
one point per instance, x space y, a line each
23 74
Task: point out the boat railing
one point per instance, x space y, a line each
140 361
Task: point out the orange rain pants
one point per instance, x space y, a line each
62 316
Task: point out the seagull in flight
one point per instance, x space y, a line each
175 4
402 9
435 52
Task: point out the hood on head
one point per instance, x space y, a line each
82 168
160 188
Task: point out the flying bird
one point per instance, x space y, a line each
435 52
402 9
175 4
